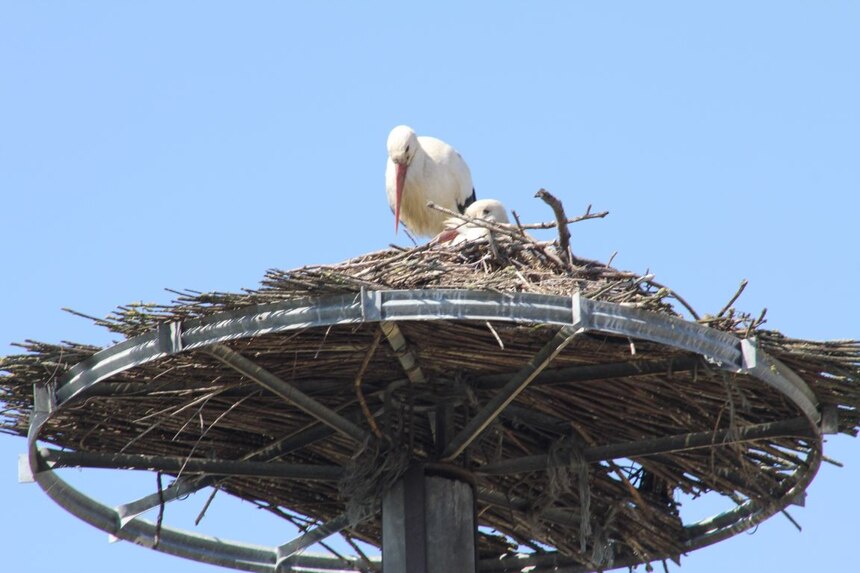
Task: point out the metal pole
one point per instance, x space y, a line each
429 524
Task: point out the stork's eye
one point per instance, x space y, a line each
407 149
486 211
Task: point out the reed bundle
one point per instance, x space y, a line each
191 406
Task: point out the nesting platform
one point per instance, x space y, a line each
571 398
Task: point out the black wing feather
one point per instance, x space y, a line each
469 200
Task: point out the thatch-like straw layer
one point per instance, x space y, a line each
192 406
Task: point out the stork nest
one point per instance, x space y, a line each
191 405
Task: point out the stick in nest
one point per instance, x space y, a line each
491 225
357 384
519 237
206 505
561 222
733 299
553 224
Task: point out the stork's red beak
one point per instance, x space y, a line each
398 192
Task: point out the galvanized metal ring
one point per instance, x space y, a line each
721 348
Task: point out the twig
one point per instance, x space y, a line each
206 431
677 297
371 566
357 384
494 249
733 299
540 247
496 334
561 220
648 277
464 218
157 538
792 520
519 225
206 505
611 258
491 225
99 321
406 253
756 323
322 342
554 224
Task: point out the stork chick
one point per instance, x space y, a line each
459 231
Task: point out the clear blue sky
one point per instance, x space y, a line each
196 144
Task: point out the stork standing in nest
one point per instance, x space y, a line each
421 170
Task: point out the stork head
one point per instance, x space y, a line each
489 210
402 146
459 230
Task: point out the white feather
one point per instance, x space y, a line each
485 209
435 173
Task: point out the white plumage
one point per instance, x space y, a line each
422 169
459 231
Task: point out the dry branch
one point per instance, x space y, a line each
561 222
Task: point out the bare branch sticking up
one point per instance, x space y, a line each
519 224
734 298
561 222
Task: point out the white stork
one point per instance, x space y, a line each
422 169
459 231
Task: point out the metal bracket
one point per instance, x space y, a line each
44 399
774 373
25 473
829 419
170 337
800 499
44 404
371 305
579 314
749 352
